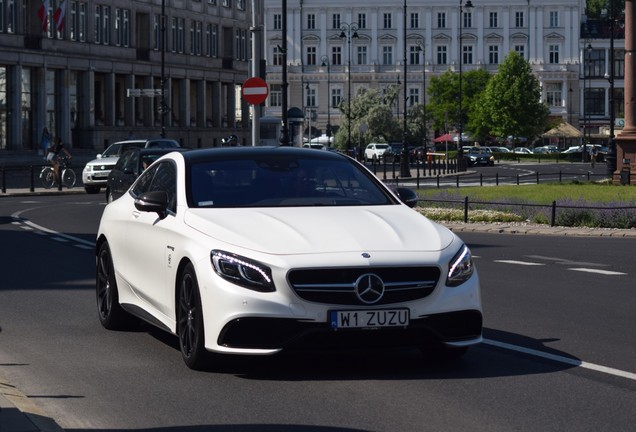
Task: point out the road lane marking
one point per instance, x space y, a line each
562 359
603 272
55 235
526 263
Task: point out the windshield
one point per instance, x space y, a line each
283 181
112 150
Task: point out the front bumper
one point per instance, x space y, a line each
280 333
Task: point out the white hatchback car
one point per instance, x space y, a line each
252 250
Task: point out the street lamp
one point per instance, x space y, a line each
405 169
421 46
611 147
460 150
587 84
162 109
349 31
326 62
284 127
308 112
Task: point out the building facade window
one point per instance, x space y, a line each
387 21
467 54
414 54
362 20
275 98
594 101
212 38
311 21
415 20
494 19
336 96
77 21
468 19
336 55
519 19
122 27
387 55
414 96
521 50
277 56
335 21
278 22
311 55
554 19
553 94
441 20
493 54
361 54
310 97
442 54
553 53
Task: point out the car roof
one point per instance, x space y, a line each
143 151
220 153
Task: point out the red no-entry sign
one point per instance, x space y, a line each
255 90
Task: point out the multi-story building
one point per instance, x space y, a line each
334 49
96 71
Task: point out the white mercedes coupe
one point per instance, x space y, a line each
252 250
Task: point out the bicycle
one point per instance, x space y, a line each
48 178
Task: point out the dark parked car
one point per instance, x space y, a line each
393 153
128 167
478 156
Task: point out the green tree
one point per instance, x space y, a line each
511 104
596 8
443 91
374 110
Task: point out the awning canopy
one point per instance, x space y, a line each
444 138
564 130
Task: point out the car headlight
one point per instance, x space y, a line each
242 271
88 168
461 267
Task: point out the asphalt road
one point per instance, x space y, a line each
559 352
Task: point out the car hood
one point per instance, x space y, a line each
311 230
104 161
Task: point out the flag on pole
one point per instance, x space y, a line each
43 13
59 15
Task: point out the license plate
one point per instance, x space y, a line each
369 318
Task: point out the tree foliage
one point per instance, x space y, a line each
511 103
443 91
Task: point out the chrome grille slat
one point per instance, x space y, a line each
337 285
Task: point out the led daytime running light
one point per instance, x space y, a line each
241 263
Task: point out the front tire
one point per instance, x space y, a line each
111 314
190 321
68 178
91 189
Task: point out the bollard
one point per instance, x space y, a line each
32 189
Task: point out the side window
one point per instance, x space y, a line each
144 181
130 165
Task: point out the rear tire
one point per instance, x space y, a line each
190 321
111 314
47 177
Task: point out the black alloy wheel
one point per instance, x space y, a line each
190 321
111 314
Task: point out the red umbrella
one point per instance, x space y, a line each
444 138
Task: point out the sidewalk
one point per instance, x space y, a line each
19 414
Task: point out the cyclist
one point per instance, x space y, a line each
54 155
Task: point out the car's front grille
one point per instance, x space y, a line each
338 285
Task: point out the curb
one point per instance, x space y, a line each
19 414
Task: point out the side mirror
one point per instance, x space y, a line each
407 196
156 201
